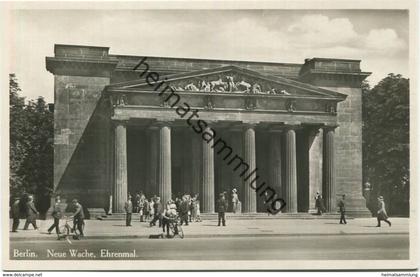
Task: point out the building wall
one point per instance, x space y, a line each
349 150
344 76
83 155
80 138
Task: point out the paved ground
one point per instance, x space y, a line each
234 228
261 239
334 247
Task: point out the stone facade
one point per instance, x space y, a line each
300 124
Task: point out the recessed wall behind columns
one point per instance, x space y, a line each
137 159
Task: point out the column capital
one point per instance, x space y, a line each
313 129
330 127
161 123
249 124
119 122
292 125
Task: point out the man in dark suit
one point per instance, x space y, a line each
158 208
78 217
222 206
342 206
129 210
56 213
183 210
31 213
15 213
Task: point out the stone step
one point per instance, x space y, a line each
231 216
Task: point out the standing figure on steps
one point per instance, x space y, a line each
222 206
128 207
235 201
319 203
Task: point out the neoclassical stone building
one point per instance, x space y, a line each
118 132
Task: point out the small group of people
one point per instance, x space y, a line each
187 207
381 214
78 216
24 206
184 207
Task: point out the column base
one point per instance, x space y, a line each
96 212
359 212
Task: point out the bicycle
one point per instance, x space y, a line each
175 227
67 230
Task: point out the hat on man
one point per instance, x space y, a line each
234 190
381 198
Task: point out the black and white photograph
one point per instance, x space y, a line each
146 136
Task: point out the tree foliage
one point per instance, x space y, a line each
31 145
386 140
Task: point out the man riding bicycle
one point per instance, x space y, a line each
170 217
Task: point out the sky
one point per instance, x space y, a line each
377 37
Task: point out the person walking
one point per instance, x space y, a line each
222 206
78 217
56 213
158 210
128 207
31 213
382 215
15 214
342 206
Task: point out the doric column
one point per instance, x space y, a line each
329 170
275 162
120 183
290 185
164 176
208 176
250 196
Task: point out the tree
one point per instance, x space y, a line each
386 140
17 135
31 146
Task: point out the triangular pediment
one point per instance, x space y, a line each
227 79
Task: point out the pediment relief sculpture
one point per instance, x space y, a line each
232 83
